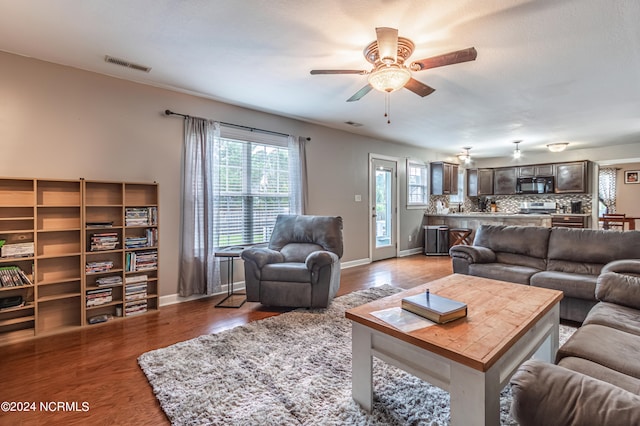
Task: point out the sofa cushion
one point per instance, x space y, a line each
592 247
615 316
546 394
290 272
325 231
572 285
521 260
606 346
529 241
574 267
622 289
298 252
504 272
603 373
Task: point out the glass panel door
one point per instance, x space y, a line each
383 209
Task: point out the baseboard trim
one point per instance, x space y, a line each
352 263
404 253
172 299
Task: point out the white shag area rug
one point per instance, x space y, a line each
291 369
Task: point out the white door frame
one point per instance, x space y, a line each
372 157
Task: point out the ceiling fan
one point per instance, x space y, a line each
388 54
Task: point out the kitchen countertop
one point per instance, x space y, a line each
498 215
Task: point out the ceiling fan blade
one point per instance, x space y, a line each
419 88
361 72
387 44
451 58
360 93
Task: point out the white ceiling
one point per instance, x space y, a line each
547 70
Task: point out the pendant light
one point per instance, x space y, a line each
466 157
516 152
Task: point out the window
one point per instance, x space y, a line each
416 184
252 186
459 197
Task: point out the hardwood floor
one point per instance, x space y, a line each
99 365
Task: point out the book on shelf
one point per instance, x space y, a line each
141 261
103 241
13 276
17 250
99 266
135 307
136 279
99 297
110 280
435 308
107 224
141 216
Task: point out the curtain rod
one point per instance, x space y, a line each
251 129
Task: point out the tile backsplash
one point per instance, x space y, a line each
511 203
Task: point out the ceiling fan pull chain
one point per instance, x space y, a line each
387 107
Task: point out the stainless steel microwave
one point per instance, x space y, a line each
535 185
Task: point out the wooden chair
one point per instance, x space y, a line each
614 221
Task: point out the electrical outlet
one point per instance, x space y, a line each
358 198
409 238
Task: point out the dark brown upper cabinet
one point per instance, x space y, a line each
571 177
539 170
444 178
479 182
504 180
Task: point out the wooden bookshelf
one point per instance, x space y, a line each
58 255
59 217
17 225
108 207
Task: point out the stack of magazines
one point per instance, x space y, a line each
104 241
100 266
99 297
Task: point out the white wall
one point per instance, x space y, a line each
60 122
627 194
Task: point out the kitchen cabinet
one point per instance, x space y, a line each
504 180
479 182
444 178
536 170
569 221
571 177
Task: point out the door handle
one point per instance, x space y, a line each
374 215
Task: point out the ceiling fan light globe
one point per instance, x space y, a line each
557 147
389 78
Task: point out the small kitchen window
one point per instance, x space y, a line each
416 184
459 197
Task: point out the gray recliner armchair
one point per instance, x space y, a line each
301 266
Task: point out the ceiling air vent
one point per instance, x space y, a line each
125 63
353 123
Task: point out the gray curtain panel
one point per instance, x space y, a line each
199 270
297 174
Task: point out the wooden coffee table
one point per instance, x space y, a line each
472 358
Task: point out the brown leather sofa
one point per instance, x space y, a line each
596 378
563 259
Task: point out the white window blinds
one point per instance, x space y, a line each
251 185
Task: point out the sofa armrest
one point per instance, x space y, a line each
628 266
473 254
319 259
545 393
262 256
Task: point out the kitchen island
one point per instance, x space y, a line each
473 220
